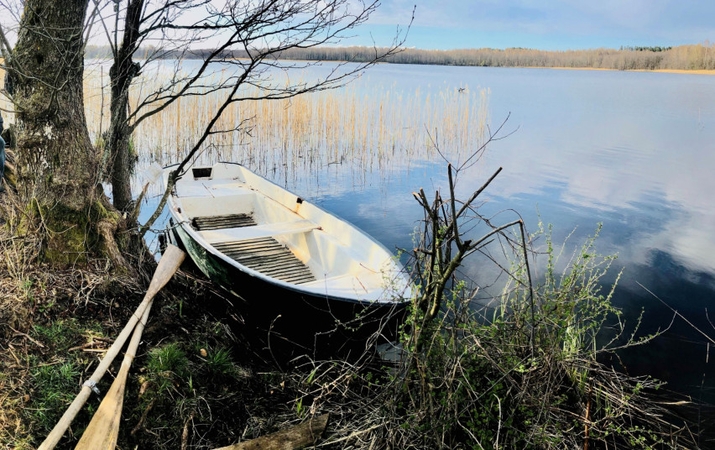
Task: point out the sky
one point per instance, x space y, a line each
543 24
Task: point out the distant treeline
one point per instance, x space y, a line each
647 49
684 57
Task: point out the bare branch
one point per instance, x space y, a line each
262 30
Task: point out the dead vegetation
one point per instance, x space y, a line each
683 57
526 373
195 383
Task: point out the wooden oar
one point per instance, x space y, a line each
168 265
103 430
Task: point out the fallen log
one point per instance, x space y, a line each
294 438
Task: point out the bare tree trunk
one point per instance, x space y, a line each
57 164
123 71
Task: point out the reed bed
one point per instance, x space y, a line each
688 58
363 128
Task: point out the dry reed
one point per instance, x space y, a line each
363 127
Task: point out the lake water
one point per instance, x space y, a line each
633 151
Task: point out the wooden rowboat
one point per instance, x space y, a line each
277 251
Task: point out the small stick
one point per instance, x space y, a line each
20 333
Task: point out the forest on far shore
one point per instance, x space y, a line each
684 57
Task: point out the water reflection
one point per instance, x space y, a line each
630 150
681 355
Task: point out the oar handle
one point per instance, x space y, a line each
168 265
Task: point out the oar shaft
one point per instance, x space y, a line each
103 430
59 430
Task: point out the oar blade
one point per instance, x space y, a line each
103 431
168 265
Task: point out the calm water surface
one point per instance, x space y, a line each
633 151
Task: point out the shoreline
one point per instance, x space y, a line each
605 69
681 71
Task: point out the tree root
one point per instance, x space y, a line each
106 229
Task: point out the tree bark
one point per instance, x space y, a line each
123 71
57 161
57 164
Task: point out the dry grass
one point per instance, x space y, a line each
683 57
35 298
363 130
688 72
678 71
55 325
478 382
461 389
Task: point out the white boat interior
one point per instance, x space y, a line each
269 232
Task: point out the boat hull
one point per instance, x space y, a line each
286 316
290 323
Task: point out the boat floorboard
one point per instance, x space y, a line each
268 256
221 222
